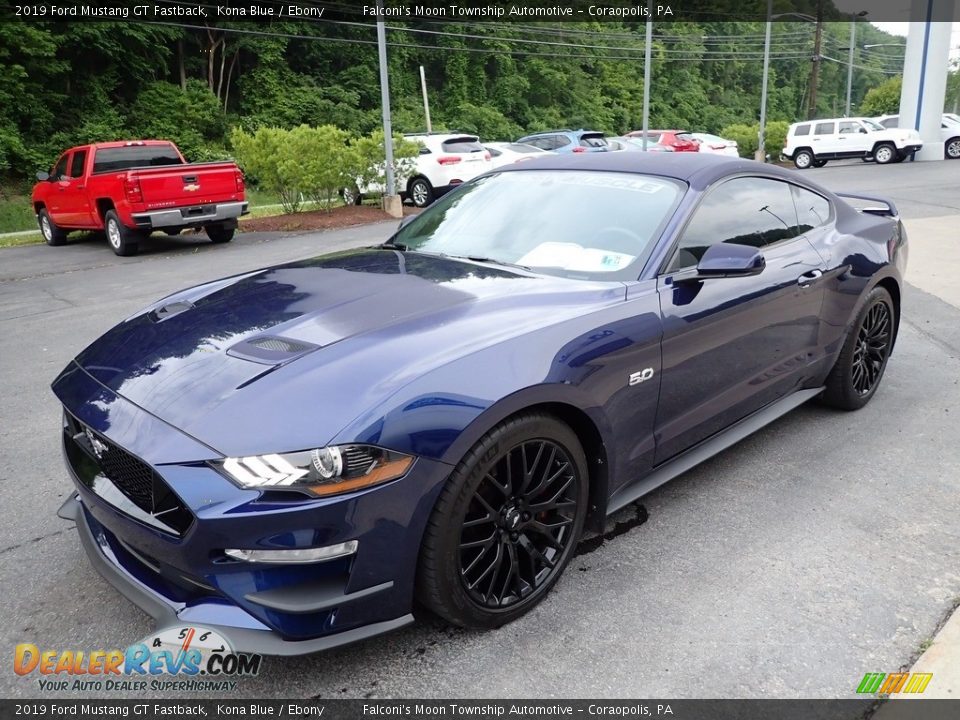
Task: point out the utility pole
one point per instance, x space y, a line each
761 155
815 68
426 103
391 201
647 58
853 42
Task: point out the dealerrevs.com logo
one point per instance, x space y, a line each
175 659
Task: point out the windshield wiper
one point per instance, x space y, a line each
391 245
489 260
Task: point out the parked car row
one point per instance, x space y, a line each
449 159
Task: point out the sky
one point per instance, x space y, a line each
902 28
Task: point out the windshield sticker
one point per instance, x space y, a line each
570 256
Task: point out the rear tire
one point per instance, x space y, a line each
803 159
506 523
121 239
219 234
885 154
420 192
51 233
859 369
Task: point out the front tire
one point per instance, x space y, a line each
122 240
803 159
885 154
951 148
51 233
819 163
859 369
506 523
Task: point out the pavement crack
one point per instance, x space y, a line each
939 342
35 540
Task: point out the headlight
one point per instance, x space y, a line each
324 471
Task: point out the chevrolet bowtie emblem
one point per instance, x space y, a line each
192 187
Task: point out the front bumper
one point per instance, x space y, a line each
190 215
178 572
166 612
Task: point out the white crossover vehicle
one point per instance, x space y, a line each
814 142
949 133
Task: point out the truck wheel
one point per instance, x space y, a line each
122 240
885 154
220 234
51 233
803 159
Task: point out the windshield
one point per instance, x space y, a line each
571 223
872 125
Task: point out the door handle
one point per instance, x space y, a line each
808 278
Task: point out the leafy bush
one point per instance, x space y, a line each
263 157
367 167
748 137
316 162
883 99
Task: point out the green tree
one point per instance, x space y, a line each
883 99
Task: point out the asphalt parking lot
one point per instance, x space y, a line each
824 547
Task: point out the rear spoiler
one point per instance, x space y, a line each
888 209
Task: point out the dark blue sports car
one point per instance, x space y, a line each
300 456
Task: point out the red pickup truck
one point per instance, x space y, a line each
129 189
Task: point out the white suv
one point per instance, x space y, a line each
814 142
949 133
445 161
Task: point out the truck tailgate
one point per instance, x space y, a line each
195 184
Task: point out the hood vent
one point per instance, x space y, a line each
270 349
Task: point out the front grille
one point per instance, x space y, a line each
134 478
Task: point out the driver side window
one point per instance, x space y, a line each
60 169
745 211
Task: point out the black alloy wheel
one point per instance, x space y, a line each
859 369
518 524
872 348
506 523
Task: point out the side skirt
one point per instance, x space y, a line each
708 448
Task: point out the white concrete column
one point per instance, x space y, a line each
925 73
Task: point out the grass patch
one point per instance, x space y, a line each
32 239
16 213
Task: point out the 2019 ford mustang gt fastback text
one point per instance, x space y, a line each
301 455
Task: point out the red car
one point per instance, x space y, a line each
679 140
129 189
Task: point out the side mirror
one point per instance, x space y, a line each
730 260
727 260
43 176
863 130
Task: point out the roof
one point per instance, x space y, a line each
694 168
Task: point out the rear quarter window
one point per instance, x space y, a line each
801 130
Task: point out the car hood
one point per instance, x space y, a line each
315 343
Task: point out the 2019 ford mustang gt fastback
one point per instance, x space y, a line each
301 455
